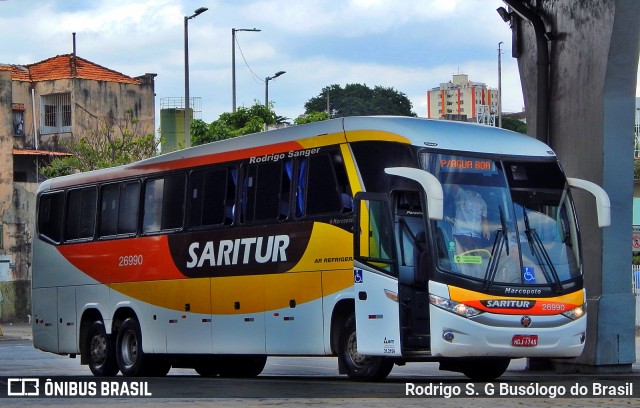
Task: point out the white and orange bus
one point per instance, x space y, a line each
338 238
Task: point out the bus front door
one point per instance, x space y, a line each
375 278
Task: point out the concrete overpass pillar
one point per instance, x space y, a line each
592 50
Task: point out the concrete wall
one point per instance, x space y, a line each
593 61
92 101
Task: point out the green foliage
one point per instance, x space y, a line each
636 169
113 142
232 124
360 100
636 259
514 124
311 117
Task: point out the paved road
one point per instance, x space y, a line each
292 382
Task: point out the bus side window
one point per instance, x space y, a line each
163 203
212 197
119 208
128 208
322 192
80 218
265 192
50 217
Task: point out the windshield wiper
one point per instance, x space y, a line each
496 252
540 252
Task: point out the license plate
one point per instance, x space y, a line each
522 340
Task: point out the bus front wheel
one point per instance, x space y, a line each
360 367
484 369
101 351
132 360
242 366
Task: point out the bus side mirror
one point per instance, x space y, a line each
603 205
429 183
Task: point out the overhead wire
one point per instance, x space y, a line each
257 78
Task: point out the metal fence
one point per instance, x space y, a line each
635 279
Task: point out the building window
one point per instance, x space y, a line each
18 119
20 177
55 113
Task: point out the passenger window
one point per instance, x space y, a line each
265 194
80 220
50 218
322 195
212 197
163 203
119 208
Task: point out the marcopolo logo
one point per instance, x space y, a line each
508 304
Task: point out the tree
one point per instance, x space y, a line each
311 117
232 124
360 100
514 124
112 142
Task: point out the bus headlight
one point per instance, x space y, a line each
454 307
577 312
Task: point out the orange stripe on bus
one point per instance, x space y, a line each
123 260
540 306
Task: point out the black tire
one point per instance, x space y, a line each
360 367
156 366
208 367
484 369
100 349
132 360
241 366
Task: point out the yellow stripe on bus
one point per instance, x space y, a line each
308 280
171 294
322 140
463 295
375 135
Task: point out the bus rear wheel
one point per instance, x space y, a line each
132 360
360 367
100 349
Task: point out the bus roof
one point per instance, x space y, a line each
435 134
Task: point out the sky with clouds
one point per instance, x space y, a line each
410 45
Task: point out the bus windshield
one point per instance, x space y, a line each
505 222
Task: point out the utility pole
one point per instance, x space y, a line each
500 84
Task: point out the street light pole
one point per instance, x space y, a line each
266 86
233 60
187 116
499 85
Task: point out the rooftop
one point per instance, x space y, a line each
61 67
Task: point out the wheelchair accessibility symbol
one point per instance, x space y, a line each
357 275
529 275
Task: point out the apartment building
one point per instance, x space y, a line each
461 99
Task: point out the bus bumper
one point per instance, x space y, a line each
456 336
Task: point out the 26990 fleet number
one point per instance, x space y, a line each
130 260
